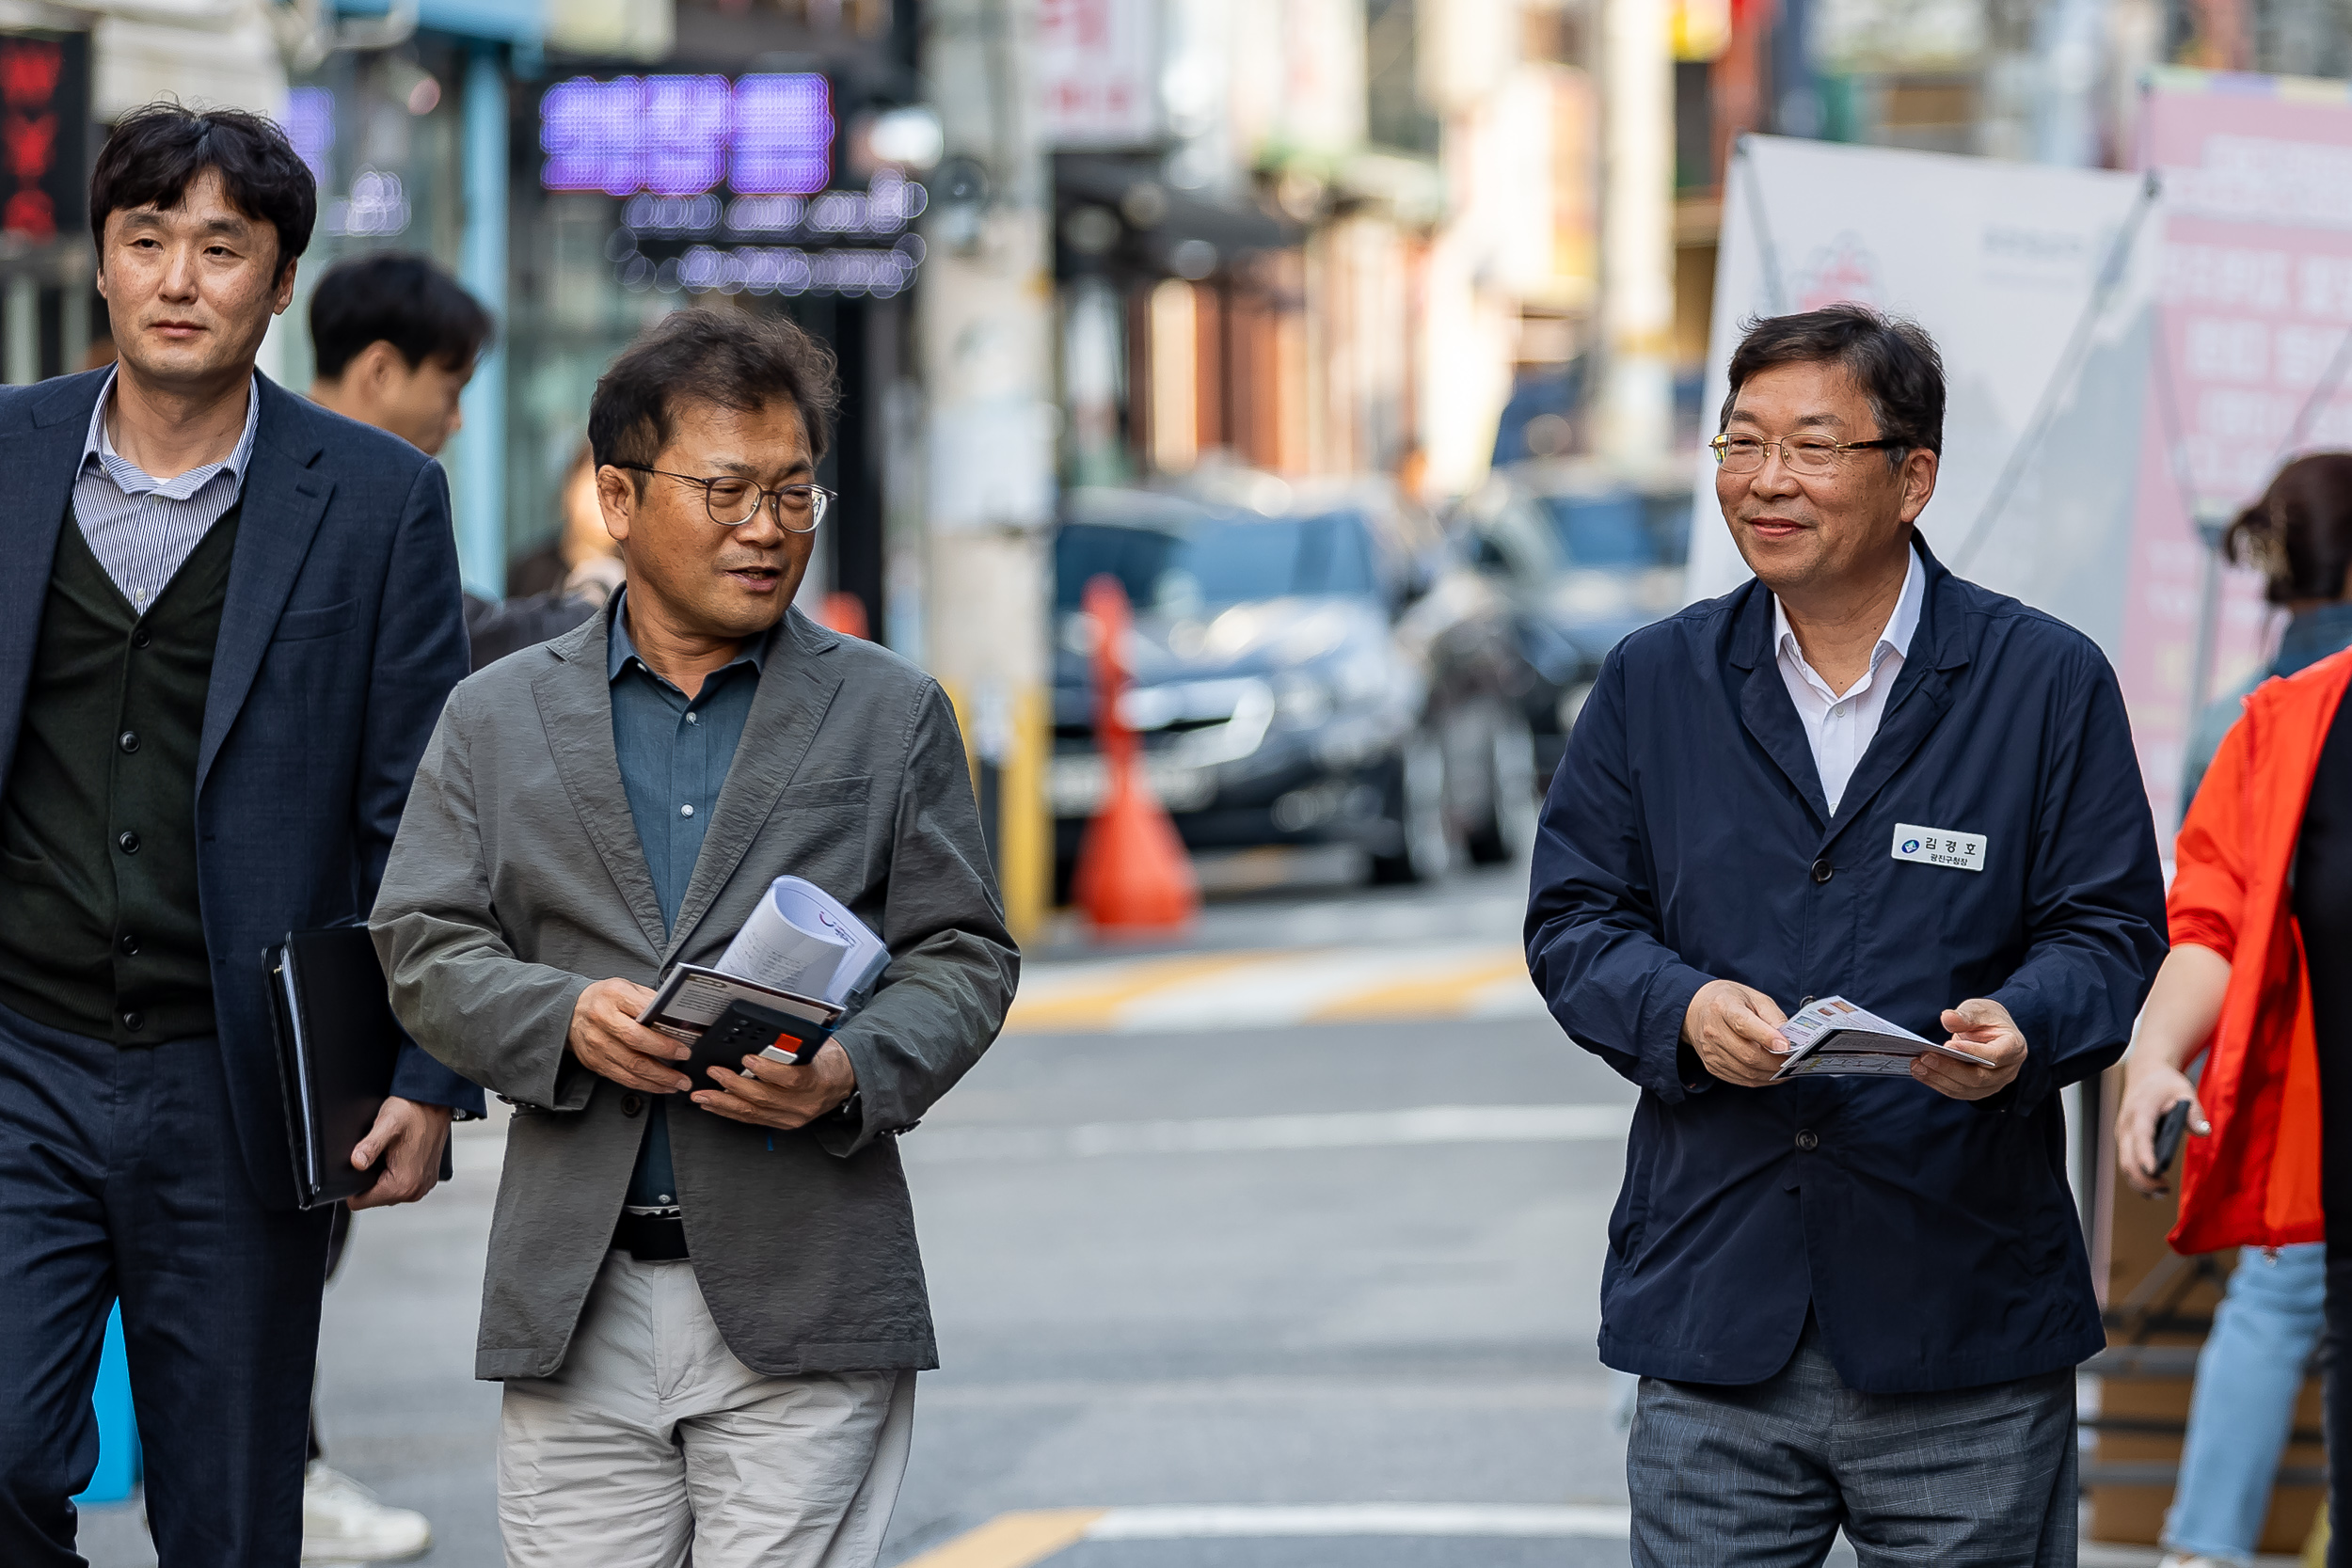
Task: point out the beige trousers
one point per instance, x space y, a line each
654 1446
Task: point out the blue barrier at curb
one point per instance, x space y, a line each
117 1426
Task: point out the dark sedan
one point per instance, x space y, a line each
1326 674
1585 555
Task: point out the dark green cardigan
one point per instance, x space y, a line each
100 929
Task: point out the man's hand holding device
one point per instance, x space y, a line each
611 1043
2160 1110
409 1137
769 1093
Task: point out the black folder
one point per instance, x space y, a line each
338 1044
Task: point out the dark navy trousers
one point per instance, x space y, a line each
121 1177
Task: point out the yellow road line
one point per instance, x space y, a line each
1012 1540
1082 1002
1441 995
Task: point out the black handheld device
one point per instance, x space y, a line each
745 1029
2171 1128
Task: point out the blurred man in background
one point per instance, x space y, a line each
395 340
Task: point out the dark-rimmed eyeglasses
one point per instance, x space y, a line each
1806 454
731 501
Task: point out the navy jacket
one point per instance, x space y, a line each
341 637
1686 839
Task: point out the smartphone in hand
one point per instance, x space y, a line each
2171 1128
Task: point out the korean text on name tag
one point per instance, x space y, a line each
1939 847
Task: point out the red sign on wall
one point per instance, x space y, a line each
45 116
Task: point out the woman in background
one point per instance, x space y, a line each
2263 896
583 560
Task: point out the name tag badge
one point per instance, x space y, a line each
1939 847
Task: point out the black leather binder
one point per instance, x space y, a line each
338 1044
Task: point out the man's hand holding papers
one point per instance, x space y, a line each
1982 1028
1735 1029
1835 1039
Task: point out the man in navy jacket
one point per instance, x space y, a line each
1852 1301
229 625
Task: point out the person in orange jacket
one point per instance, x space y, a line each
2261 917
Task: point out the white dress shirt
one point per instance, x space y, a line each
1840 725
143 529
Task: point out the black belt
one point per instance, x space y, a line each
650 1238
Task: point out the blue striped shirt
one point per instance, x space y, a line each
143 529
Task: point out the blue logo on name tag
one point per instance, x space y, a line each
1911 847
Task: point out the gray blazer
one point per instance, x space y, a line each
517 879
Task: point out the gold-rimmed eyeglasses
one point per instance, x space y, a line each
1806 454
731 501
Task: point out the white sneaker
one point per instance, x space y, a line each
343 1522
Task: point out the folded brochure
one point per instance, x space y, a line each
802 953
802 939
1834 1038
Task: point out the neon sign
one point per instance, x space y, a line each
45 93
687 135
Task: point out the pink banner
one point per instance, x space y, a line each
2254 305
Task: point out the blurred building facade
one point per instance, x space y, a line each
1313 236
587 165
1305 236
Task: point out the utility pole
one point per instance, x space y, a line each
1637 299
984 332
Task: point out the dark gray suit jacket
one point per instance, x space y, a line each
517 880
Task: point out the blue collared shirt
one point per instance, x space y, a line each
674 754
143 529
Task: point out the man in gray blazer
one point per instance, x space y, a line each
705 1298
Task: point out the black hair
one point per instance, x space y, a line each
2299 534
158 150
1893 361
735 361
402 300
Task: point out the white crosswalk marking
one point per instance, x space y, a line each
1425 1124
1599 1520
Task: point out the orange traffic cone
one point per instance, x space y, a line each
1133 878
844 613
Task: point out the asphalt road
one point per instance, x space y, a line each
1398 1322
1223 1269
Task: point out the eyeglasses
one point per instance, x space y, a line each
1806 454
732 502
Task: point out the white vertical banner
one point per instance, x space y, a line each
1097 64
2045 372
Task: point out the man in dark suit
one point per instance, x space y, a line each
232 619
1853 1301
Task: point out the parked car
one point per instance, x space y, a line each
1585 554
1329 674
